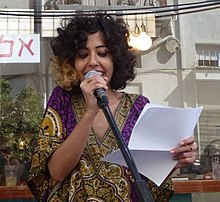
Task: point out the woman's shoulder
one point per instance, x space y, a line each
137 98
59 96
60 91
136 103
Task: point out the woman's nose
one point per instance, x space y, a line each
93 61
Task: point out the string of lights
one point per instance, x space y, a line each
159 11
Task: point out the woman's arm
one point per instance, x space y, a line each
67 155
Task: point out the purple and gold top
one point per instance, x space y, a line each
92 179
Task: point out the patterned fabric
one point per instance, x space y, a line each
91 180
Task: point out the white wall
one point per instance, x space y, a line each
198 28
20 4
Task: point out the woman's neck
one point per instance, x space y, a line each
113 96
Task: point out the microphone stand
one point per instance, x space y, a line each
140 185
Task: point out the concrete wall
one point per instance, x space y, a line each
195 29
20 4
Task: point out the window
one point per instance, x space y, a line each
11 24
208 55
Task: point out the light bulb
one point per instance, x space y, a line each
132 40
143 41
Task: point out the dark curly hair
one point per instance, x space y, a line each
72 36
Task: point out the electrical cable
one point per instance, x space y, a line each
191 7
187 12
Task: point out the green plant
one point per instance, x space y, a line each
7 124
28 110
20 120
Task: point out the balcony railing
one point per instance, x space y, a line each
55 4
116 2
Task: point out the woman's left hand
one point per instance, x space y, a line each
185 154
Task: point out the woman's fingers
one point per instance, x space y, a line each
186 153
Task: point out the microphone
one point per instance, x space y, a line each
99 92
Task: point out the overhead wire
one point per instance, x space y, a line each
188 12
160 11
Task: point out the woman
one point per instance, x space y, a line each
75 135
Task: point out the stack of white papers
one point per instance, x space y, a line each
156 132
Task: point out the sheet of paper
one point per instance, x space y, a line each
156 132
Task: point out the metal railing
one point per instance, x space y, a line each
54 4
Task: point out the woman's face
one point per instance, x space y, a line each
95 56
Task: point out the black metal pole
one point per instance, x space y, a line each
36 6
140 185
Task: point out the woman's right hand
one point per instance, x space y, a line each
88 87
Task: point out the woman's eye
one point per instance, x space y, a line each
82 54
103 54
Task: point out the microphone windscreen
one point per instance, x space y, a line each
99 92
90 74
